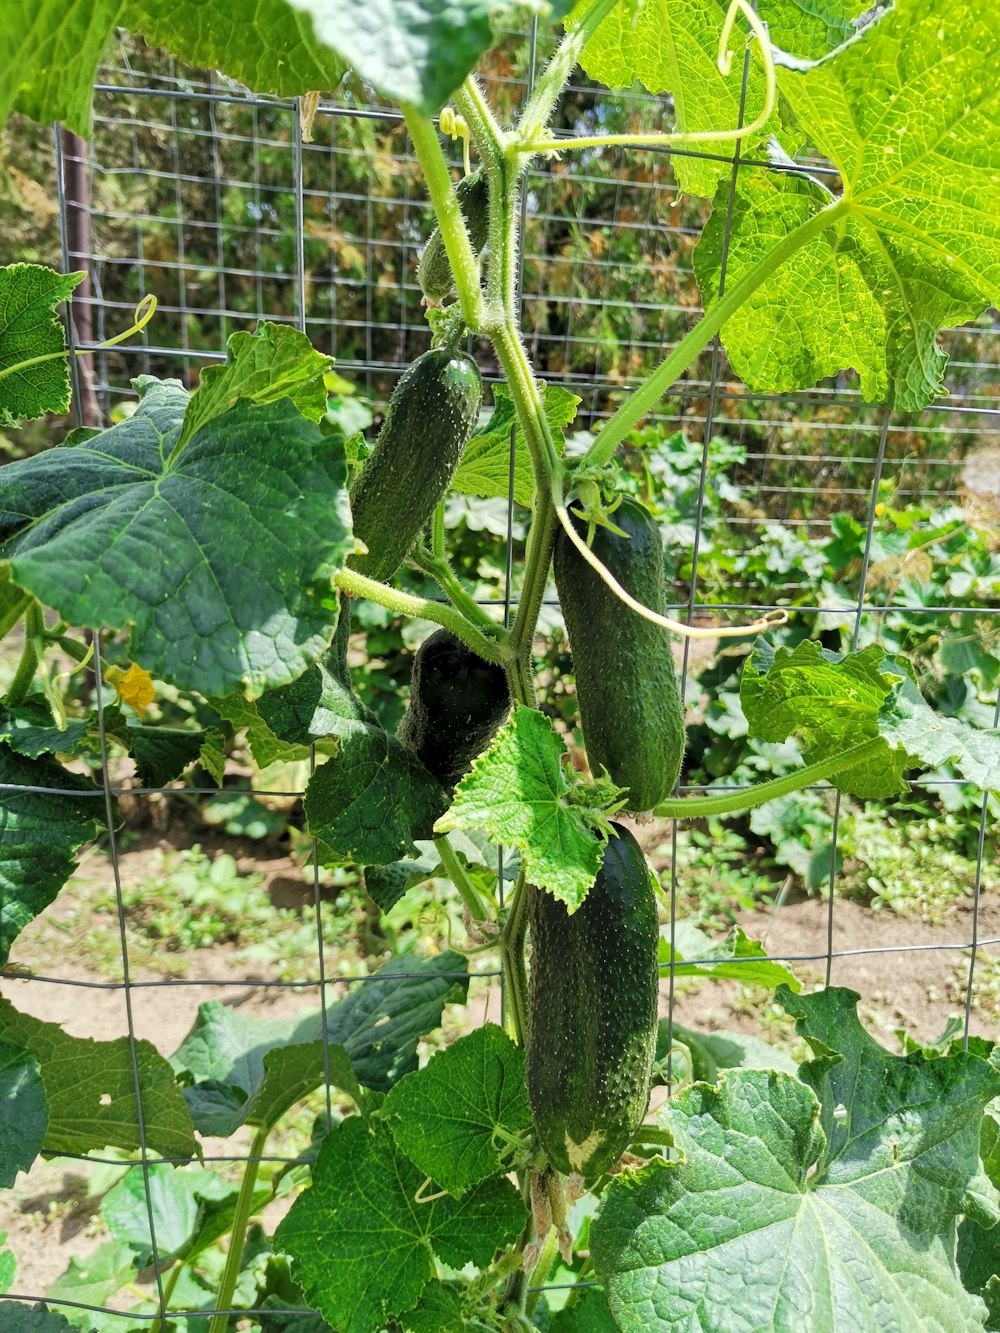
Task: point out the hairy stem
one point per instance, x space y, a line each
441 571
512 958
696 807
237 1234
456 872
25 673
458 247
494 649
555 76
649 393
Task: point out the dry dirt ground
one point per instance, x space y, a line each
909 974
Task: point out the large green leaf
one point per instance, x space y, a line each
673 48
810 28
791 1211
29 294
92 1281
30 730
455 1117
39 835
908 114
363 1237
417 52
24 1115
218 556
519 793
90 1090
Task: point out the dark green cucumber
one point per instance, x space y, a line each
457 704
434 272
592 1018
431 414
626 682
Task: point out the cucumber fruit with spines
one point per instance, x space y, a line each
626 682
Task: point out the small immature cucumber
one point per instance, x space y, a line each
457 703
434 272
626 682
592 1020
431 414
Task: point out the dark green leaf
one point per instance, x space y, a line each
24 1113
29 729
387 884
361 1241
18 1318
370 802
439 1311
39 834
29 295
711 1051
161 754
217 557
590 1314
446 1116
90 1090
252 1070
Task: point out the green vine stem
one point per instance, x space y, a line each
512 957
458 247
494 649
652 389
456 871
238 1231
697 807
555 76
25 673
438 568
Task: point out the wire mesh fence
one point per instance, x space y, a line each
209 196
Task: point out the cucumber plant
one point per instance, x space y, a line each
220 534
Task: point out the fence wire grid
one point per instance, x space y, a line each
254 223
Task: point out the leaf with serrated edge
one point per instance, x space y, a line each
273 362
18 1318
907 112
485 466
830 702
445 1116
810 28
90 1090
517 792
674 49
361 1244
29 294
830 1216
218 557
24 1115
39 835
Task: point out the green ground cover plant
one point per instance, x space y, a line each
210 534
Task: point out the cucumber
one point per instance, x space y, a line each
457 704
431 414
626 682
434 272
592 1018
